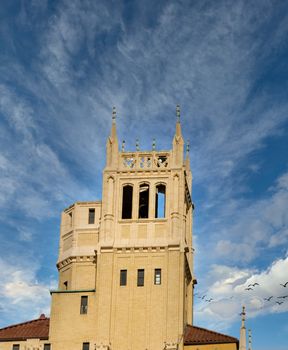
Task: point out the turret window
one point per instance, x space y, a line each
16 347
47 347
144 201
160 201
84 305
127 202
91 218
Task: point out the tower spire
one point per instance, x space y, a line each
242 343
178 142
112 142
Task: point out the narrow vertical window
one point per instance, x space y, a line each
144 201
140 278
91 218
47 346
85 346
16 347
123 277
157 276
70 218
65 285
84 304
127 202
160 201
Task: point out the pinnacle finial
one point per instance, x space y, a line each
123 146
114 114
154 145
137 145
178 113
188 146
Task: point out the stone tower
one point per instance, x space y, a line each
126 263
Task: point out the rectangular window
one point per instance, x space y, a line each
47 347
123 277
16 347
91 219
70 218
84 304
140 278
85 346
157 276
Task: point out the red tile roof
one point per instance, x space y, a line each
197 336
40 329
32 329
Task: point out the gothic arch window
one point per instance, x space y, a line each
143 201
160 201
127 200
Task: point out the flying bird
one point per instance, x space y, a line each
209 300
284 285
269 298
283 297
248 288
279 302
203 296
253 284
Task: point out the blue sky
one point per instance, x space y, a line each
64 64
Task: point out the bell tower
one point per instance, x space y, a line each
126 263
144 254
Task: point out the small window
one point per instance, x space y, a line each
85 346
91 219
84 304
127 202
70 218
65 285
140 278
144 201
123 277
160 201
47 346
157 276
16 347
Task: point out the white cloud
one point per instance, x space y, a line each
21 295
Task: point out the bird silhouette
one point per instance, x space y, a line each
253 284
284 285
203 297
248 288
269 298
209 300
279 302
282 297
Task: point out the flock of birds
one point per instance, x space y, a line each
252 287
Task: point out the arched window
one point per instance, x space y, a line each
160 201
127 200
144 201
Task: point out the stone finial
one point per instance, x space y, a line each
114 114
123 146
154 145
178 113
137 145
